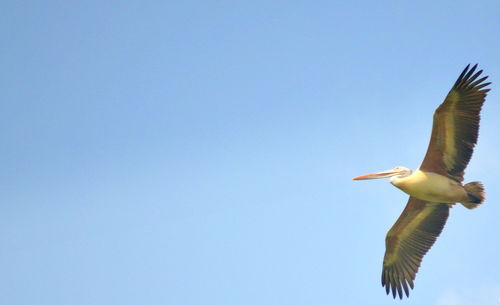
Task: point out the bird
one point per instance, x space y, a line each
437 185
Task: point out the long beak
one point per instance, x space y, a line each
378 175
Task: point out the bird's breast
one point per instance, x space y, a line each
431 187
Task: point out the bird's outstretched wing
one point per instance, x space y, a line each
408 240
456 126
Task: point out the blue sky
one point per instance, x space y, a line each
201 152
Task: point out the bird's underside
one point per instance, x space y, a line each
431 187
437 185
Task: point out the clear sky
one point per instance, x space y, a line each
201 152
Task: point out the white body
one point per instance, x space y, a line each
431 187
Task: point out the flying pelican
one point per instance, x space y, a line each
437 185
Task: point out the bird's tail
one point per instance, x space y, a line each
475 192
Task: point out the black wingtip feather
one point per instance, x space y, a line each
460 77
466 77
405 287
471 71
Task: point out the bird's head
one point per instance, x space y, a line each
398 171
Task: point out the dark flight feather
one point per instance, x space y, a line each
408 241
456 126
